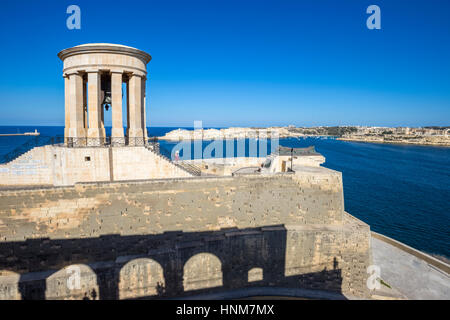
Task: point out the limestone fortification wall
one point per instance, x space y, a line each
188 205
181 236
59 166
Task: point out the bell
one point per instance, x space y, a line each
106 90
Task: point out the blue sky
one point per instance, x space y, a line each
250 63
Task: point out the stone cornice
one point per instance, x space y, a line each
105 48
109 67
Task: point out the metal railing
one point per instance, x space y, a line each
164 151
107 142
153 145
40 141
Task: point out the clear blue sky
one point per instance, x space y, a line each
243 62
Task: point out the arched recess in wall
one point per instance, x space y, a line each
74 282
255 274
204 270
141 278
9 285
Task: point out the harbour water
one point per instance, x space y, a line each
401 191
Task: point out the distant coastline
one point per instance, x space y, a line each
398 142
35 133
230 133
427 136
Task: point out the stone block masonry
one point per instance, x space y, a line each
189 205
178 237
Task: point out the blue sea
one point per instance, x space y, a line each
401 191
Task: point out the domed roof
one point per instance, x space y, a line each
103 44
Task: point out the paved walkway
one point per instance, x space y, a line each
411 276
276 293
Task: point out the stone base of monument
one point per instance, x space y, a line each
182 237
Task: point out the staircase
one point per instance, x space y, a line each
193 169
23 150
189 168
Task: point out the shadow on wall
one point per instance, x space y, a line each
172 264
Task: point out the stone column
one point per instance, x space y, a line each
66 107
116 95
143 115
85 115
135 130
76 130
95 131
128 105
145 118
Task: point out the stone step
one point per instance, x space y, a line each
189 169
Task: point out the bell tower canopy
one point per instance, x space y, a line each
94 76
104 56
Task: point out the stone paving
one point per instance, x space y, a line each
411 276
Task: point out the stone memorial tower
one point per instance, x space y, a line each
94 74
